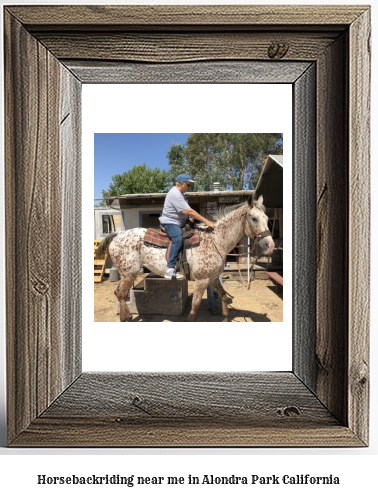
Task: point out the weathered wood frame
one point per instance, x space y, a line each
49 53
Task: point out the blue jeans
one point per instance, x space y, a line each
175 233
212 295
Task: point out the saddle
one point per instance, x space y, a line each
158 238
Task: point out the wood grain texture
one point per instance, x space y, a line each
34 241
155 296
184 16
324 401
100 432
32 188
180 47
192 396
359 210
197 409
200 72
71 229
332 230
304 208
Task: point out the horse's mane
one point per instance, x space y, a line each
225 210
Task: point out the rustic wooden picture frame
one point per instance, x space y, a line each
324 52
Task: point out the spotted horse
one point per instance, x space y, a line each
206 261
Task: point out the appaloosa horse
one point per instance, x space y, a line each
206 261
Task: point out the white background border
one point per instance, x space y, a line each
201 108
17 474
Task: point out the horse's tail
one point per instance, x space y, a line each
104 245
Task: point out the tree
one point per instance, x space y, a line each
139 179
234 160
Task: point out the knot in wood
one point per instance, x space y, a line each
362 375
288 411
140 404
40 287
278 50
136 400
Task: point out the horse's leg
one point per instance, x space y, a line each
121 294
199 287
217 286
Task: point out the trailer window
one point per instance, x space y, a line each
106 224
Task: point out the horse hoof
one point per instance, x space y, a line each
225 320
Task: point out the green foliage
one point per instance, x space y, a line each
234 160
139 179
101 203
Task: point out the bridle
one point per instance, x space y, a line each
256 239
257 236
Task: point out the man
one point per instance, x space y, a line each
176 213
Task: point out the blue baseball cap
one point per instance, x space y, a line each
184 178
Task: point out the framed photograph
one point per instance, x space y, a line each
324 53
113 116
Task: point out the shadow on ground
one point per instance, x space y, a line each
204 315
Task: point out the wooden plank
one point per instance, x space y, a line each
99 264
359 210
332 230
202 72
183 16
304 241
33 242
159 296
71 285
180 47
223 409
141 396
115 432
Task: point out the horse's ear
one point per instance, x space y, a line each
259 202
250 200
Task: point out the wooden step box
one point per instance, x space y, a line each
157 295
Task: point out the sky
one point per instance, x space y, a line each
118 153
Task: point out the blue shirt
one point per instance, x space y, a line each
175 203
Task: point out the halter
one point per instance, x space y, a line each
257 236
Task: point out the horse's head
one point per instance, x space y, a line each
256 225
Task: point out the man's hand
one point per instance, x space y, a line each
192 214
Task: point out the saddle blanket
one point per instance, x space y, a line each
155 238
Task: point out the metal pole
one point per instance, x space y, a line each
248 258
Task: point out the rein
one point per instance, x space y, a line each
257 238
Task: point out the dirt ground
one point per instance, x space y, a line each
260 303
